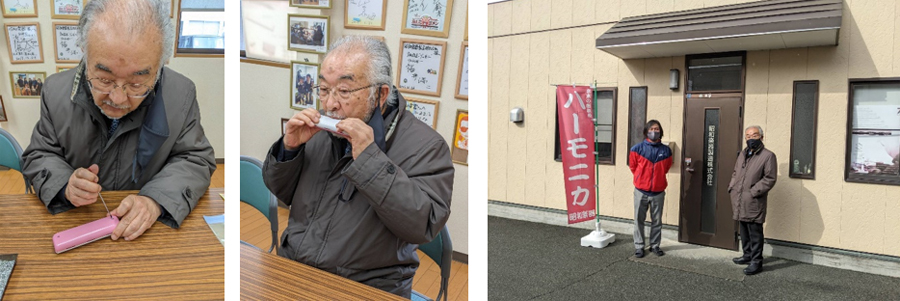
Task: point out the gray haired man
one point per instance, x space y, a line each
122 121
361 200
755 173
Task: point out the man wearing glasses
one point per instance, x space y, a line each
754 175
122 121
363 198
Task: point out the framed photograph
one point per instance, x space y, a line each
380 38
304 79
308 33
427 17
26 84
460 149
421 68
462 77
284 122
67 9
365 14
24 43
424 110
65 43
19 8
63 68
311 3
2 110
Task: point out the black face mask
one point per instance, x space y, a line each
753 143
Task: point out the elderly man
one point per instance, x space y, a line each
362 199
754 175
122 121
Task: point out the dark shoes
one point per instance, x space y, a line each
740 260
639 253
753 269
657 251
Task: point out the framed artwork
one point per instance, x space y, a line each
424 110
427 17
284 122
67 9
380 38
63 68
24 43
304 79
460 149
308 33
65 39
19 8
2 110
466 37
26 84
462 77
365 14
421 68
311 3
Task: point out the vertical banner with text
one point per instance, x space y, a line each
576 140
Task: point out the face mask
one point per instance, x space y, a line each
753 143
653 135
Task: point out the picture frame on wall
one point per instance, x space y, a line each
24 43
462 77
3 110
67 9
304 79
424 110
421 66
63 68
311 3
19 8
65 43
427 17
459 151
284 122
308 33
365 14
26 84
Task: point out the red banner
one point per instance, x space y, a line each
576 140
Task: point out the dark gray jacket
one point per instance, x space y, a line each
159 148
394 201
750 185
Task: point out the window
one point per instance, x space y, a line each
717 72
637 116
201 27
873 123
604 127
265 32
803 130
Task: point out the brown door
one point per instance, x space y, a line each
712 140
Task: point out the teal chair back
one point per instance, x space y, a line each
11 155
255 193
439 249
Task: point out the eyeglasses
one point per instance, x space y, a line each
105 86
342 93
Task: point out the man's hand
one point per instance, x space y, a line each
301 128
358 133
83 188
136 214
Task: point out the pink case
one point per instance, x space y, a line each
84 234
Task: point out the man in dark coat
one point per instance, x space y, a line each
755 173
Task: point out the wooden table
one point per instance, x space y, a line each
266 276
163 263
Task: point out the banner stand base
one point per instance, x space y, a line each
598 238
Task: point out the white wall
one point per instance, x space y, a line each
265 95
23 113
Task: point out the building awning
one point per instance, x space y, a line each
773 24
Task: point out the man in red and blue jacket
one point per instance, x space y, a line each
649 161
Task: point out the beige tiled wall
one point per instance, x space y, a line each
554 44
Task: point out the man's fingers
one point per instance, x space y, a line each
86 186
85 174
147 222
94 169
135 224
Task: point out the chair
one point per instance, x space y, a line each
440 249
11 155
255 193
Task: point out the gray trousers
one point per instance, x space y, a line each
641 202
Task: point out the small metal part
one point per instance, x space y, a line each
104 204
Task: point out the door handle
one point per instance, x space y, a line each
687 165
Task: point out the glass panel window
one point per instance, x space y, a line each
710 160
604 127
873 142
637 116
201 26
803 130
714 73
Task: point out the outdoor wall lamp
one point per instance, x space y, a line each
516 115
673 79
